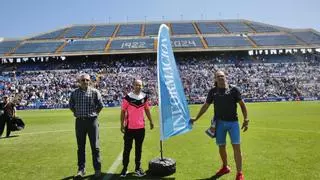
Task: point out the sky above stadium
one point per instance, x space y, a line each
22 19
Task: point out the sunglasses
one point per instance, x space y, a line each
85 80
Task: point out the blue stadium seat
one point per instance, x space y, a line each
182 28
151 29
129 30
227 41
51 35
38 47
77 32
274 40
210 28
308 37
237 27
85 45
262 28
102 31
7 46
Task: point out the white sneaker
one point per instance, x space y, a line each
81 173
140 173
123 173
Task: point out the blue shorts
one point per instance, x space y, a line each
232 127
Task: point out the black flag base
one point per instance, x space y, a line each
162 167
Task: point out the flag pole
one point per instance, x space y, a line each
161 152
161 166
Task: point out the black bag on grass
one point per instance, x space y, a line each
17 124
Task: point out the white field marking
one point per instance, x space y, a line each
115 127
113 168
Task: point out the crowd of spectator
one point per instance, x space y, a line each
290 77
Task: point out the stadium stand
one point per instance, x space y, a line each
227 41
129 30
85 45
7 46
102 31
186 42
210 28
308 37
264 79
182 28
274 40
261 28
237 27
129 44
77 31
50 35
152 29
38 47
284 64
241 34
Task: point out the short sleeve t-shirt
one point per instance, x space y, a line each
224 102
134 105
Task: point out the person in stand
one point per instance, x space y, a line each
132 124
86 103
225 99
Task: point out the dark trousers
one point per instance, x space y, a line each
88 126
3 121
138 136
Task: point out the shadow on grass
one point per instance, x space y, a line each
214 177
91 177
13 136
146 177
117 176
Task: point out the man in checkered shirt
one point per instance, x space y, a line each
86 103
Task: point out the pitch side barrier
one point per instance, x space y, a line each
281 99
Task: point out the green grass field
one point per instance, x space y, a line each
282 143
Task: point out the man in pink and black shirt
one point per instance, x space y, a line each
133 107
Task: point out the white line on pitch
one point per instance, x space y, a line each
113 167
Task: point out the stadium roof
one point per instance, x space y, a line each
220 35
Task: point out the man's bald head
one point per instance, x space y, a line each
137 86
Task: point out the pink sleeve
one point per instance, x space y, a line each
124 104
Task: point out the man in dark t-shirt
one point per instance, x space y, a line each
225 98
225 102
